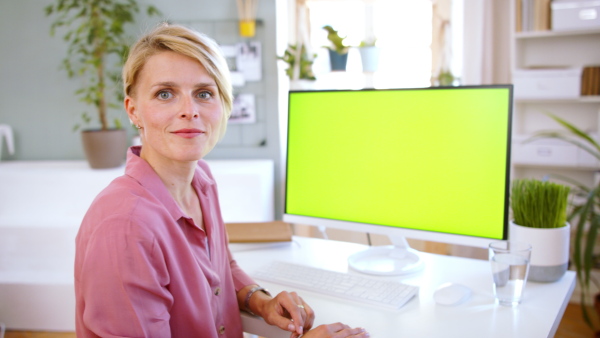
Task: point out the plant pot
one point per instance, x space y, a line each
549 253
104 148
337 61
369 57
247 28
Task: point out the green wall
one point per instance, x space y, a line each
37 99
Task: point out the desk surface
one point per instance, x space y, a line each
537 316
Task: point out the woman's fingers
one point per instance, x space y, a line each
309 315
357 332
289 312
336 330
294 305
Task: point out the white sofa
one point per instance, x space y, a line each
41 206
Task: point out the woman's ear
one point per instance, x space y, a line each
131 110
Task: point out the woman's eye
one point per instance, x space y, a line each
164 95
204 95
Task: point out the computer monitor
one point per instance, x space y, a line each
423 163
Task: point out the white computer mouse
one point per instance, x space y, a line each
451 294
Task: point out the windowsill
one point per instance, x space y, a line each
350 80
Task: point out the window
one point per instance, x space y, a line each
403 32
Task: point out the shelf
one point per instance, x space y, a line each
542 166
582 99
558 93
550 152
551 34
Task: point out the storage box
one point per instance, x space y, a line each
547 83
550 152
573 15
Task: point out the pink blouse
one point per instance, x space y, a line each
144 269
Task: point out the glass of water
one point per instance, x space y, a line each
510 265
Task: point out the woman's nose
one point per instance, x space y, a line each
189 110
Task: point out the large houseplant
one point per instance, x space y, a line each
299 64
338 50
584 214
94 31
540 219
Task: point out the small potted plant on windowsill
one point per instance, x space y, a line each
445 79
369 55
338 50
540 219
299 68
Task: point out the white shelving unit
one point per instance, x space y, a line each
554 49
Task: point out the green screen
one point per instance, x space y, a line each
433 159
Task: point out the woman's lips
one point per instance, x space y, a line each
188 133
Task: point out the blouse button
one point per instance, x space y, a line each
217 291
221 329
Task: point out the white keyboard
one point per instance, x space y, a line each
378 292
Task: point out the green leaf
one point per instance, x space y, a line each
336 40
576 131
588 256
49 10
95 29
151 11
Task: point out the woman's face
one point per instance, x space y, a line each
178 108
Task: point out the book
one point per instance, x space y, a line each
590 81
533 15
258 232
542 15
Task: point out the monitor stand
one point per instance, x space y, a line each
391 260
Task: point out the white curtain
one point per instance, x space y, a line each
486 53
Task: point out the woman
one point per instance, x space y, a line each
151 255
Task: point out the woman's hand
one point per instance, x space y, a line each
336 330
289 312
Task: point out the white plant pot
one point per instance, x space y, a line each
369 57
549 253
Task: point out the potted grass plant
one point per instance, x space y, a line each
338 50
94 31
540 218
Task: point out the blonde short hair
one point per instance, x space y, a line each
187 42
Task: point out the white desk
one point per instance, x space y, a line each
537 316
